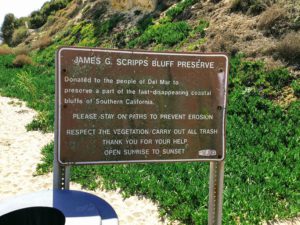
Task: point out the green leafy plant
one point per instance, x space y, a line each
167 34
104 28
145 22
48 157
32 83
19 36
8 28
176 10
296 87
39 18
202 25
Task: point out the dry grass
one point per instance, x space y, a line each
73 10
22 60
224 43
58 26
273 20
289 48
42 43
253 7
21 50
5 50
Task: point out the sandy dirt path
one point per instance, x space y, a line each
20 153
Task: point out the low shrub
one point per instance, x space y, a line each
255 76
253 7
48 157
289 48
225 42
7 28
36 20
5 50
145 22
176 10
20 22
296 87
53 6
21 50
42 43
273 20
167 34
202 26
25 84
33 84
278 78
22 60
41 122
105 27
96 12
58 26
19 35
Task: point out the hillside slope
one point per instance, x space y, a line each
262 177
256 28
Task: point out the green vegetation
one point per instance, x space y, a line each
179 8
200 29
107 26
262 172
145 22
252 75
7 28
14 30
31 83
167 34
39 18
296 87
262 165
19 35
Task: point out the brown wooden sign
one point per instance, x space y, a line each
133 106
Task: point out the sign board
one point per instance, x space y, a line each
117 106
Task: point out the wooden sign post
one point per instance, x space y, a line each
117 106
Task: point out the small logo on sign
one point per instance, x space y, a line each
207 152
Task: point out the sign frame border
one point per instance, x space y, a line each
58 104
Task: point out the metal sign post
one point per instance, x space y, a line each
61 173
61 176
216 184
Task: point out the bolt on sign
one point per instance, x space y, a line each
117 106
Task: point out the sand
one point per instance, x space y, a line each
20 153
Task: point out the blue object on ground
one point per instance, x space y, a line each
79 208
